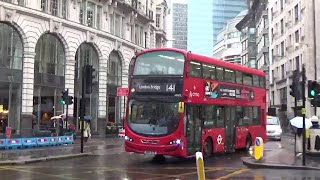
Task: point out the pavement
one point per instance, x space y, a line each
23 156
283 157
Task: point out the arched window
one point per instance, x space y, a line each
86 55
114 69
114 81
11 60
50 55
49 80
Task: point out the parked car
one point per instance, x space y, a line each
274 130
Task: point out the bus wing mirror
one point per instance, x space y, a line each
181 107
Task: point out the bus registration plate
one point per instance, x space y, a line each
150 152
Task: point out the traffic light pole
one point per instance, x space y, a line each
67 106
303 116
82 107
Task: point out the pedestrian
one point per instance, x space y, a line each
87 132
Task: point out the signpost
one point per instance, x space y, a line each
303 116
8 132
123 92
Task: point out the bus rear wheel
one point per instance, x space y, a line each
248 143
207 148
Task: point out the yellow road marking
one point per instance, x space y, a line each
39 173
240 171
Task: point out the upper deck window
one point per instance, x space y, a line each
195 69
159 63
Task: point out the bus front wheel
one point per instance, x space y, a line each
208 147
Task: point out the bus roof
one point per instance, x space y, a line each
209 60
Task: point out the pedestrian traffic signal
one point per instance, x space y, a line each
64 97
89 76
313 89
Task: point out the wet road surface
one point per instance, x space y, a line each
118 165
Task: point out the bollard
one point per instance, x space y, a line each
258 148
200 166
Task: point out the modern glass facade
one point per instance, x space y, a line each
200 39
179 25
223 11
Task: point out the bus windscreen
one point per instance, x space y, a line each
153 118
159 63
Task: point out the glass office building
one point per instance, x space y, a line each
223 11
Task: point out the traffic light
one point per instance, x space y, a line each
293 86
64 97
313 93
89 76
70 100
313 89
315 102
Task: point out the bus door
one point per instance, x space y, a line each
193 129
230 129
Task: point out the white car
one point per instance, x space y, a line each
274 129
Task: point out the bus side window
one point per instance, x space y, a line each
238 77
229 76
255 81
247 79
219 73
220 116
208 71
262 81
256 116
239 116
195 69
247 116
209 116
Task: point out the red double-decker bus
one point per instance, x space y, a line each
180 103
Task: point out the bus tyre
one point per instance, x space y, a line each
207 149
248 143
159 158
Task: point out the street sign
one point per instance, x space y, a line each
122 91
258 148
8 132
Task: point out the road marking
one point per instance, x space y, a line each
185 174
240 171
39 173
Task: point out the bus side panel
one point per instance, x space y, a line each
257 131
218 143
241 134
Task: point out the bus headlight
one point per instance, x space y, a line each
177 141
127 138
